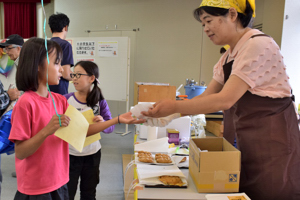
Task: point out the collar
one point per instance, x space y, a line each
241 42
17 61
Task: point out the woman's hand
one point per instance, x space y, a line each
127 118
161 109
98 118
53 125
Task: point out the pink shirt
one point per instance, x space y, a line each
259 63
48 168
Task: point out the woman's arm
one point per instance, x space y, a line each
232 91
209 102
212 88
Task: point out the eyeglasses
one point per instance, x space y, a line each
6 49
77 75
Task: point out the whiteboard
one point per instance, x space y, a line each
112 55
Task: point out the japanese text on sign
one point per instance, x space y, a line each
108 48
85 48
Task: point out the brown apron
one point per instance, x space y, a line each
268 137
229 127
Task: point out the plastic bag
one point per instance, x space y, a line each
6 146
199 122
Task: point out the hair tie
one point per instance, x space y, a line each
98 81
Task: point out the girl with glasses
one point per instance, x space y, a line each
84 166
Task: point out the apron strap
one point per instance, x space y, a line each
259 35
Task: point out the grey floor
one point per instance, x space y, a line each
111 176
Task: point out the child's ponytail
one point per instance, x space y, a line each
95 95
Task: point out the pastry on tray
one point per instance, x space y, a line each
171 180
145 157
144 153
162 158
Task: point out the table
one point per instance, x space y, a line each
161 193
173 193
189 193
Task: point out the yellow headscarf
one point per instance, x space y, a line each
226 47
239 5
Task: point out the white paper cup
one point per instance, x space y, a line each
152 133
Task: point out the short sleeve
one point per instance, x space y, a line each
63 100
218 73
105 113
21 122
260 64
67 55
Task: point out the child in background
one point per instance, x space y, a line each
85 164
42 159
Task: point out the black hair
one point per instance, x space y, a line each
244 18
222 50
95 95
32 56
58 21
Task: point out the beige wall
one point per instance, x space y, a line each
166 49
273 15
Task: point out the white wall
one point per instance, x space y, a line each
291 43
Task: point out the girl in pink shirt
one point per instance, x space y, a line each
42 159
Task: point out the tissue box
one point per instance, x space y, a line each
173 135
217 170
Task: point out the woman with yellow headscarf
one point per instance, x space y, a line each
249 82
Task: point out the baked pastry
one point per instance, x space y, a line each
146 159
145 156
183 160
171 180
162 158
144 153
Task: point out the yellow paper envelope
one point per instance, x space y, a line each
89 115
75 132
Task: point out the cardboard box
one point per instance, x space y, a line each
217 170
215 127
153 92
